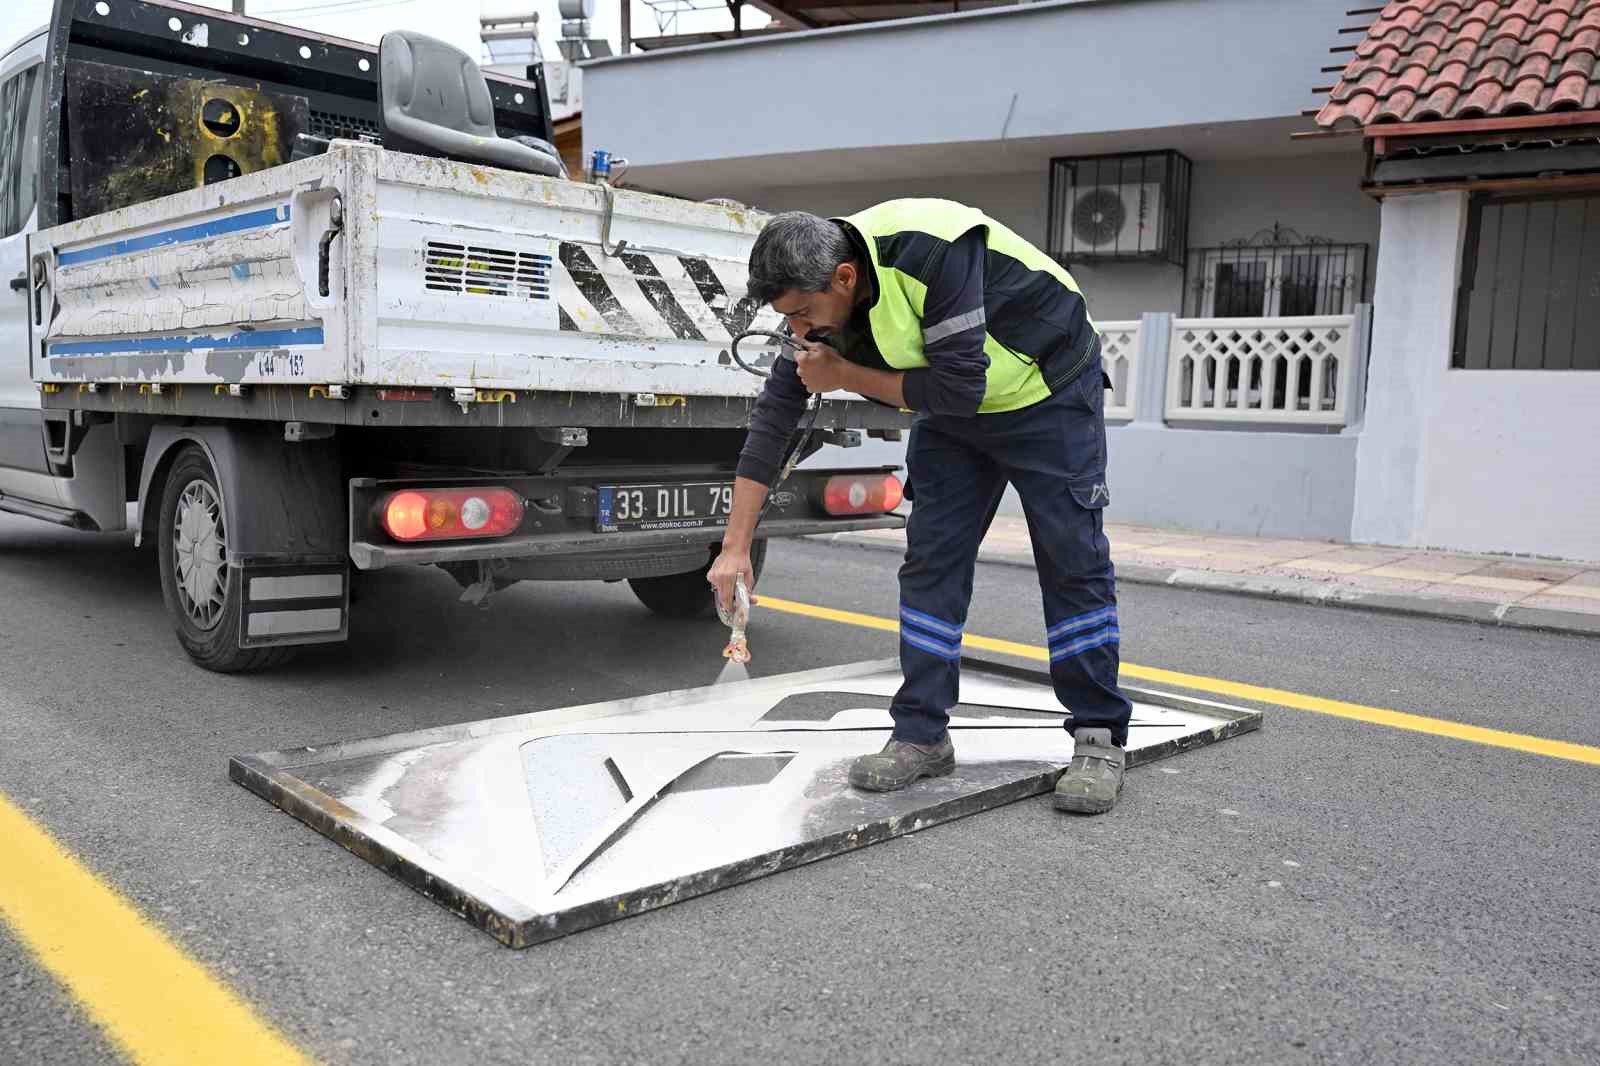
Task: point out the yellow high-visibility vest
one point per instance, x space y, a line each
1038 334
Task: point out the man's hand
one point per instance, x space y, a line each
725 571
821 368
734 558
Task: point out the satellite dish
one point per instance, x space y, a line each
1098 216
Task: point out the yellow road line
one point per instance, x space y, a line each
1416 723
156 1004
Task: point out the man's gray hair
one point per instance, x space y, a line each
799 251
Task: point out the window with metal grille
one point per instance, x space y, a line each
1530 285
475 270
1276 273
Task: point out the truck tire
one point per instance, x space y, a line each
201 590
687 595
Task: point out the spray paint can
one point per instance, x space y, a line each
736 616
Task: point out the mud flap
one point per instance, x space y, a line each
292 603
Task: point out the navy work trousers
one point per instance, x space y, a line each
1055 454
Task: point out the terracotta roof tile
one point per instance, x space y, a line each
1412 78
1476 103
1445 59
1463 50
1544 44
1452 76
1570 91
1398 38
1438 103
1423 56
1433 33
1502 50
1495 71
1537 66
1396 107
1523 99
1581 63
1513 27
1484 11
1555 22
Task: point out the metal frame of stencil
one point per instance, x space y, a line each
539 825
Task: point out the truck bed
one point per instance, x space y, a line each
443 275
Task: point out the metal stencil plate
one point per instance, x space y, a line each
539 825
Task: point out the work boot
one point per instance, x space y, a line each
1092 781
900 763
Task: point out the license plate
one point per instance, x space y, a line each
679 506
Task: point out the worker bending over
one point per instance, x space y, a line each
932 306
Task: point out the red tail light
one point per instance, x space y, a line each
451 514
866 494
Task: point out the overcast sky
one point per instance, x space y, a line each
455 21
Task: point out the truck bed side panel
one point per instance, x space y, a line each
202 287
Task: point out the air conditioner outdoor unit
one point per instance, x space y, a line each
1112 220
1126 207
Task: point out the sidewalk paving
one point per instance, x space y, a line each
1497 590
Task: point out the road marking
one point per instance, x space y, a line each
156 1004
1415 723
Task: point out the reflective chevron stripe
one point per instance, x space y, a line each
656 296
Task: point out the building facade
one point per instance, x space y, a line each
1482 133
1244 278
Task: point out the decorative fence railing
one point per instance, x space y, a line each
1275 371
1119 355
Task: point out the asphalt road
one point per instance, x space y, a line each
1321 891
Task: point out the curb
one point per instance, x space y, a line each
1293 590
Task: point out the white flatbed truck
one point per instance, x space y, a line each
241 324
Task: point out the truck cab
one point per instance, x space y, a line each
26 479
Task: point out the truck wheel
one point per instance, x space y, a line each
687 595
201 590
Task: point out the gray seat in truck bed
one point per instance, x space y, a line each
433 100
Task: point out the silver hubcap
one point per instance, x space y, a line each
200 554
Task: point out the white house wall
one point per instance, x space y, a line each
1482 460
1039 70
1018 200
1232 482
1512 463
